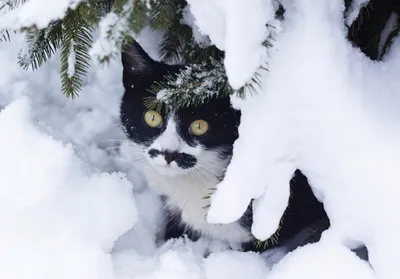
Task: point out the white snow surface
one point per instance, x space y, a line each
36 12
332 113
72 206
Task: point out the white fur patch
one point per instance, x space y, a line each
186 188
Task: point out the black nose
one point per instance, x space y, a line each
170 156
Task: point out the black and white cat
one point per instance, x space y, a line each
184 153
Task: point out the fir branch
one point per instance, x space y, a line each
192 86
163 14
141 15
174 43
42 44
273 239
16 3
177 39
199 82
5 36
207 54
118 26
11 4
76 40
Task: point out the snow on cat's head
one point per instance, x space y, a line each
195 141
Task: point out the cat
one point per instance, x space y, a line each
184 154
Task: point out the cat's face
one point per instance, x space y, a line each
189 141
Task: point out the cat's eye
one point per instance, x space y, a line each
153 119
198 127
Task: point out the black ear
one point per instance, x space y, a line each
135 60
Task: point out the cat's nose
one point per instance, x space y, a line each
170 156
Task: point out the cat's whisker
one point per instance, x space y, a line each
215 164
192 175
211 172
111 140
202 176
109 148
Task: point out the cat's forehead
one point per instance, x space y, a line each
214 107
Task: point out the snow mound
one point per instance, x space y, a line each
321 260
59 220
183 259
332 113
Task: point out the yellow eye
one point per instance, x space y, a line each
199 127
153 119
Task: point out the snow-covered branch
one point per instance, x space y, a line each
227 23
112 30
37 13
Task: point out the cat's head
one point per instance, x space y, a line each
181 142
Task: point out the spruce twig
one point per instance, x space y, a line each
162 15
199 82
42 44
76 41
194 85
5 36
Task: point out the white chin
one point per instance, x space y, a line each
169 170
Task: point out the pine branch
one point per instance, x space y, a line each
141 15
119 25
198 54
199 82
5 36
42 44
76 41
192 86
163 14
11 4
16 3
177 39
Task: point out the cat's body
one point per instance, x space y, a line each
184 154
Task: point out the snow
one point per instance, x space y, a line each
336 118
74 205
329 260
71 60
188 19
58 219
223 20
390 26
354 11
36 13
111 29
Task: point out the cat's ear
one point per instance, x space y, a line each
135 60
